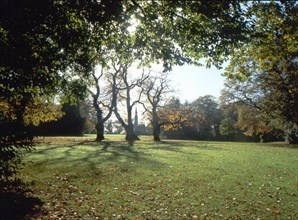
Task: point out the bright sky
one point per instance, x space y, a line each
193 82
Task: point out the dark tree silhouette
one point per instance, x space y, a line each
156 89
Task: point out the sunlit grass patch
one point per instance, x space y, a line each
167 180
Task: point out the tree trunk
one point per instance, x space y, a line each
156 127
156 132
130 133
291 137
22 133
99 131
129 128
99 125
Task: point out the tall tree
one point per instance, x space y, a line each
125 90
264 71
98 104
156 90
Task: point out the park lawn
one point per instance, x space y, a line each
77 178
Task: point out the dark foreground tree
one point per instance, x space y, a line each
38 41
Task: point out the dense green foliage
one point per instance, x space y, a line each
178 32
263 73
39 40
166 180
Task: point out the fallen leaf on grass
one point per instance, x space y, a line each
134 193
195 217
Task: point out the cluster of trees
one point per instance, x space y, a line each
197 120
53 47
207 118
263 73
117 91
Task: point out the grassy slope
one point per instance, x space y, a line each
168 180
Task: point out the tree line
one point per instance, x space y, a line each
206 118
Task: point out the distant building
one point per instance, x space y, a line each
140 128
136 121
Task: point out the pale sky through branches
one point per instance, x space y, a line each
190 82
193 82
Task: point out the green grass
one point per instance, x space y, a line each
168 180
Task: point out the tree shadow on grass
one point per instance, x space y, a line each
179 146
119 151
114 152
95 154
52 146
17 202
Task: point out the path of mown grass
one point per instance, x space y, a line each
168 180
